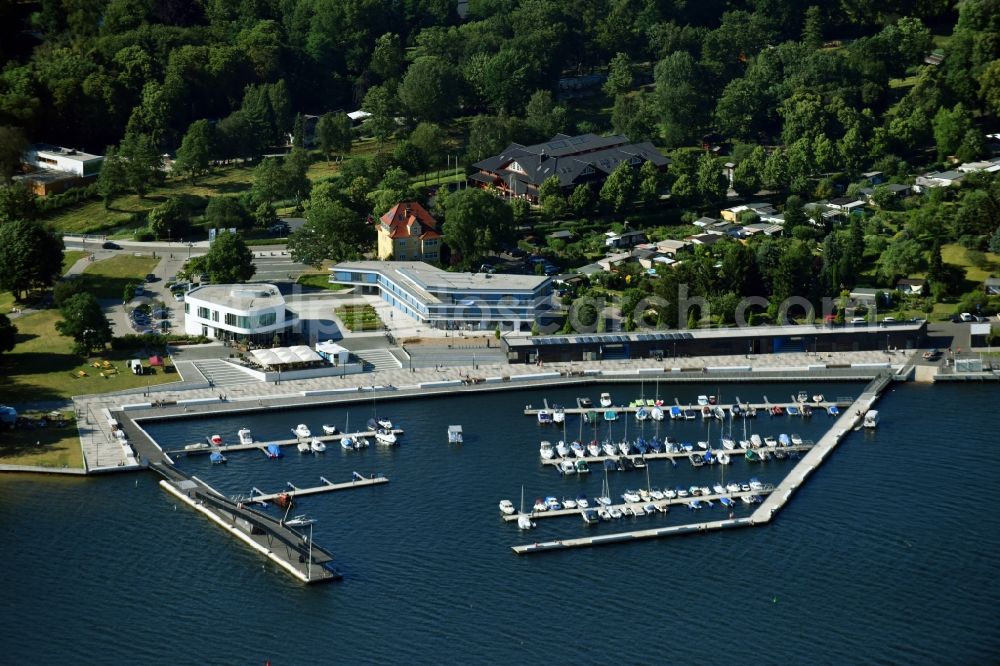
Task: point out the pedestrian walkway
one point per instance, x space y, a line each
380 359
220 373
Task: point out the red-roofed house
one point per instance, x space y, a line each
408 233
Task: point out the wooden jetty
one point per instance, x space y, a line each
684 455
636 535
280 442
357 481
660 504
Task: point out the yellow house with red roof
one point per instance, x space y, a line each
408 233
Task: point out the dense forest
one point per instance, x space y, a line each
804 98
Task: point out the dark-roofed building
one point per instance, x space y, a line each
587 159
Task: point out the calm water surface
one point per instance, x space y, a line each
876 559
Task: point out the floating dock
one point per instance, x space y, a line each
280 442
684 455
767 509
357 481
840 402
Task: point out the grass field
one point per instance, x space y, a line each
959 256
49 446
107 278
319 281
359 317
70 257
43 367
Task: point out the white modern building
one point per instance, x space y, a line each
450 301
254 312
66 160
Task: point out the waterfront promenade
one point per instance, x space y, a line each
103 452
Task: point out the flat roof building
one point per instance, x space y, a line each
446 300
244 312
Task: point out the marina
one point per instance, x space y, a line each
823 405
683 455
292 491
249 446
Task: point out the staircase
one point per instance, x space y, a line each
379 359
220 373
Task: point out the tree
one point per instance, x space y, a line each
430 89
8 334
477 223
619 75
264 216
634 115
409 158
295 182
551 198
620 188
712 182
995 241
775 176
84 321
12 146
650 183
795 214
681 96
194 157
543 115
950 128
746 178
332 231
393 188
581 200
683 190
935 263
229 259
30 256
113 177
812 31
379 102
387 58
170 219
17 202
226 213
973 146
900 258
333 134
431 140
269 181
989 87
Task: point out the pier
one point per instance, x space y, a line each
684 455
840 402
357 481
773 503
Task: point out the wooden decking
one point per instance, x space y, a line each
358 481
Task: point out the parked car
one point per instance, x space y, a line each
108 245
551 270
150 277
179 296
966 316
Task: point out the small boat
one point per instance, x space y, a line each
383 422
578 450
806 410
610 415
703 445
593 449
273 451
301 431
744 444
591 417
361 443
656 413
670 494
217 458
582 467
719 413
709 457
777 410
507 507
195 446
624 447
568 503
728 443
540 506
584 402
544 417
590 516
746 499
784 440
676 413
833 410
558 414
385 437
718 488
567 467
656 446
751 456
299 521
871 418
215 440
818 397
625 464
770 441
552 503
284 500
796 439
756 485
722 458
695 504
605 400
631 496
781 454
656 493
455 434
609 449
702 400
562 450
245 436
755 441
641 414
696 459
706 412
317 446
329 429
802 397
765 455
712 399
525 523
545 451
603 514
303 447
346 443
792 410
689 415
615 513
638 462
582 501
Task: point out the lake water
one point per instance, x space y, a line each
887 554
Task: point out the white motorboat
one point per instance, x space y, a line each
317 446
383 422
361 443
215 440
656 493
770 441
733 487
796 439
552 503
507 507
544 416
818 397
631 496
871 418
615 513
302 431
624 447
722 458
195 446
594 449
728 443
603 514
744 444
545 451
558 415
329 429
656 413
578 450
702 400
347 443
609 449
703 445
385 437
562 449
245 436
303 447
605 400
540 506
567 467
299 521
525 523
568 503
755 441
455 434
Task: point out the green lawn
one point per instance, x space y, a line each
49 446
43 366
107 278
70 257
959 256
359 317
319 281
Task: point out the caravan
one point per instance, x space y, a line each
135 365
